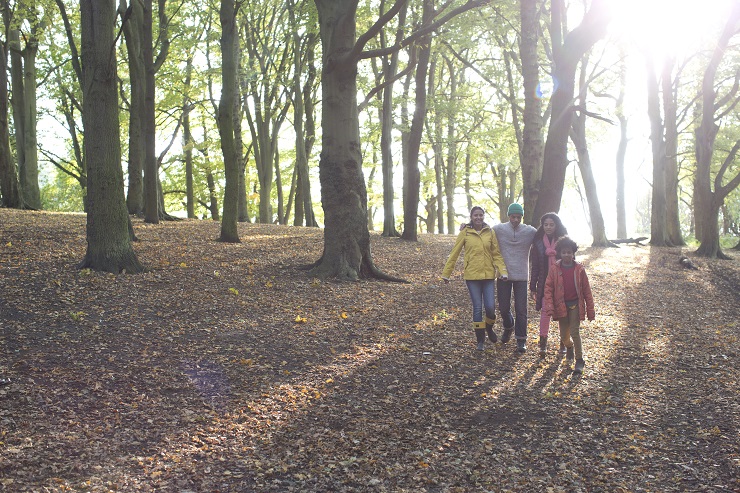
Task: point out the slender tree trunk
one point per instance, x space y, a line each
132 31
621 152
229 232
148 126
23 75
108 241
187 142
411 176
670 105
9 187
658 235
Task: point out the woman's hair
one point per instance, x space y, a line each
559 227
565 242
476 207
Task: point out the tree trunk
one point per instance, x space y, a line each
708 201
108 242
148 125
304 204
658 236
132 31
566 58
411 176
670 105
229 232
9 187
187 142
23 75
390 69
621 151
532 139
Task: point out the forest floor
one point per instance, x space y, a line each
224 368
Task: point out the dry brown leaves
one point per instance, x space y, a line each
224 368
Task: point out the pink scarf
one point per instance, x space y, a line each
549 251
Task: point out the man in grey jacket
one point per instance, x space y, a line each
514 241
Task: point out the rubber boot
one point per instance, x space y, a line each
489 329
480 336
543 346
580 364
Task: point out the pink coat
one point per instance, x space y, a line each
554 300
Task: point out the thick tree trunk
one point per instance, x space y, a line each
346 253
532 150
108 242
9 187
566 58
229 232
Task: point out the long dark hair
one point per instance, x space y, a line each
559 227
469 224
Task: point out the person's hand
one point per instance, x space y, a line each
533 295
504 278
463 226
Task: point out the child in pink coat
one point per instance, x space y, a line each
568 299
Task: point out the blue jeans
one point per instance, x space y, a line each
520 306
482 293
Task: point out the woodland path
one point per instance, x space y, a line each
224 368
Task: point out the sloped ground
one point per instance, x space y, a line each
226 369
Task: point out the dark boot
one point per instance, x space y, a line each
569 353
480 337
580 364
543 347
506 335
521 346
489 329
561 351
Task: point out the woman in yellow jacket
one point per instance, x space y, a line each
483 264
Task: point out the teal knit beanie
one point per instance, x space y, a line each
515 209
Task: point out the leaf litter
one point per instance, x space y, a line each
224 368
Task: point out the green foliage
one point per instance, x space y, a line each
62 193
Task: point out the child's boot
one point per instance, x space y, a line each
489 329
580 364
521 345
543 346
480 334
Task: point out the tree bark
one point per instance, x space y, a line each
132 32
532 150
411 176
670 110
9 187
148 125
566 58
229 232
621 151
708 201
658 236
108 242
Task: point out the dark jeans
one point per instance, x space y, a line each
504 289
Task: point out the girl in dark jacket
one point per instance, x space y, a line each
541 257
